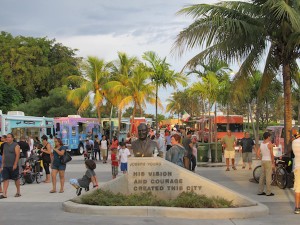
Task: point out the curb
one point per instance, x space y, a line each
152 211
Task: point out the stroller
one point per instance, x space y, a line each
88 153
31 170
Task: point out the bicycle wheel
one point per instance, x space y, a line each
22 180
281 177
38 178
256 173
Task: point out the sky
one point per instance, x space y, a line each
103 28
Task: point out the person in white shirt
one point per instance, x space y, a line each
160 143
124 153
104 144
267 165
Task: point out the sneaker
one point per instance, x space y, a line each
263 193
78 191
271 194
297 211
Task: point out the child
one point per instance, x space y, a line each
89 176
124 153
27 168
114 163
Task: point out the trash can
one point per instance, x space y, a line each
202 152
213 152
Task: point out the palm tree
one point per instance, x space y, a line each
95 73
161 75
137 90
175 103
248 31
122 70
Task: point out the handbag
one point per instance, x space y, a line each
65 158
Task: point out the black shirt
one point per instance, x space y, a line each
247 144
24 146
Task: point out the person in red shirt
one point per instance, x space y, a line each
114 163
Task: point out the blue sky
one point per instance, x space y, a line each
103 28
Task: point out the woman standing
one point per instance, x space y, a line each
45 154
176 152
57 166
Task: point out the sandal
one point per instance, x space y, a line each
61 191
52 191
17 195
2 196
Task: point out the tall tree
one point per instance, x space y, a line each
162 75
136 91
249 31
95 75
34 66
122 70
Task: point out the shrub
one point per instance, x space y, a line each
184 200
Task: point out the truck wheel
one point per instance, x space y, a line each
80 150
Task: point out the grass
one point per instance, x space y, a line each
184 200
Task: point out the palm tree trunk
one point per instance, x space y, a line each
287 107
99 117
256 138
227 112
132 119
120 121
156 119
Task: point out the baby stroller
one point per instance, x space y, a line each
31 170
88 153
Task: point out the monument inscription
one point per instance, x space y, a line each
152 174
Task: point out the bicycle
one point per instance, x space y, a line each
279 176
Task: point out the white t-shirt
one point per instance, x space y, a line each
31 144
103 144
123 154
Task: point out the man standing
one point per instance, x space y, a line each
24 148
188 145
246 147
229 142
9 169
296 150
265 153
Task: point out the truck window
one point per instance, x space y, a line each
73 131
81 128
48 131
57 126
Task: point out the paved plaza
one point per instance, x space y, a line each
38 206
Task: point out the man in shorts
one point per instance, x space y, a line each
229 142
9 169
246 147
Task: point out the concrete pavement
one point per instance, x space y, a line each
36 198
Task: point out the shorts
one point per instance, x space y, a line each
297 180
229 154
74 182
103 152
58 166
123 166
247 157
114 170
9 174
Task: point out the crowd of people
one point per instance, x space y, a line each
177 147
